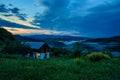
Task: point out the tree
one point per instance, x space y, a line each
16 47
9 45
77 49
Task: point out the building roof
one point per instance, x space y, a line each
35 45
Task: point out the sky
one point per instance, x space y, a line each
88 18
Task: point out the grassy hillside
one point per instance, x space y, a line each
5 36
9 45
59 69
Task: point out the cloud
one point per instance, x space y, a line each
15 10
56 9
7 11
84 16
14 25
3 8
35 31
22 16
12 17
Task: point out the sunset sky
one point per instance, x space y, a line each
89 18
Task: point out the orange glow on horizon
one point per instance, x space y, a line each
29 31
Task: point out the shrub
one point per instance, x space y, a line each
59 52
78 61
77 50
9 56
107 51
2 55
97 56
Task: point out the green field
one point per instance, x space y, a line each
59 69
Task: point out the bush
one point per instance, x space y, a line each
59 52
97 56
2 55
78 61
77 50
9 56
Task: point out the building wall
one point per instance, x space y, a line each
37 55
42 55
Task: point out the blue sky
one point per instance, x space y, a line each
89 18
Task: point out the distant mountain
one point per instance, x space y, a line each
56 37
111 43
39 38
115 39
26 39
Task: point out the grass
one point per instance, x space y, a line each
97 56
59 69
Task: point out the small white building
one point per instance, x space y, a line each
40 50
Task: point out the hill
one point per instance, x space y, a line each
5 36
57 37
39 38
105 40
59 69
26 39
111 43
10 45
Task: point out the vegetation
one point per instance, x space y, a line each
65 64
59 69
77 50
79 61
5 36
74 53
97 56
9 45
59 52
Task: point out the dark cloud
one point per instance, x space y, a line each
22 16
58 16
13 25
106 7
14 12
10 5
57 10
88 17
67 15
3 8
101 24
7 15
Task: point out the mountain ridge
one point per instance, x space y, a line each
48 37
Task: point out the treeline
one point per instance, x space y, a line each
79 50
76 51
9 45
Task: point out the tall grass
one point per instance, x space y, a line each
59 69
97 56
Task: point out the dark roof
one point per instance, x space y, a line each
45 45
35 45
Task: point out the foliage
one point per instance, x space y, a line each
9 45
59 52
58 69
10 56
107 51
79 61
77 50
5 36
97 56
15 47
